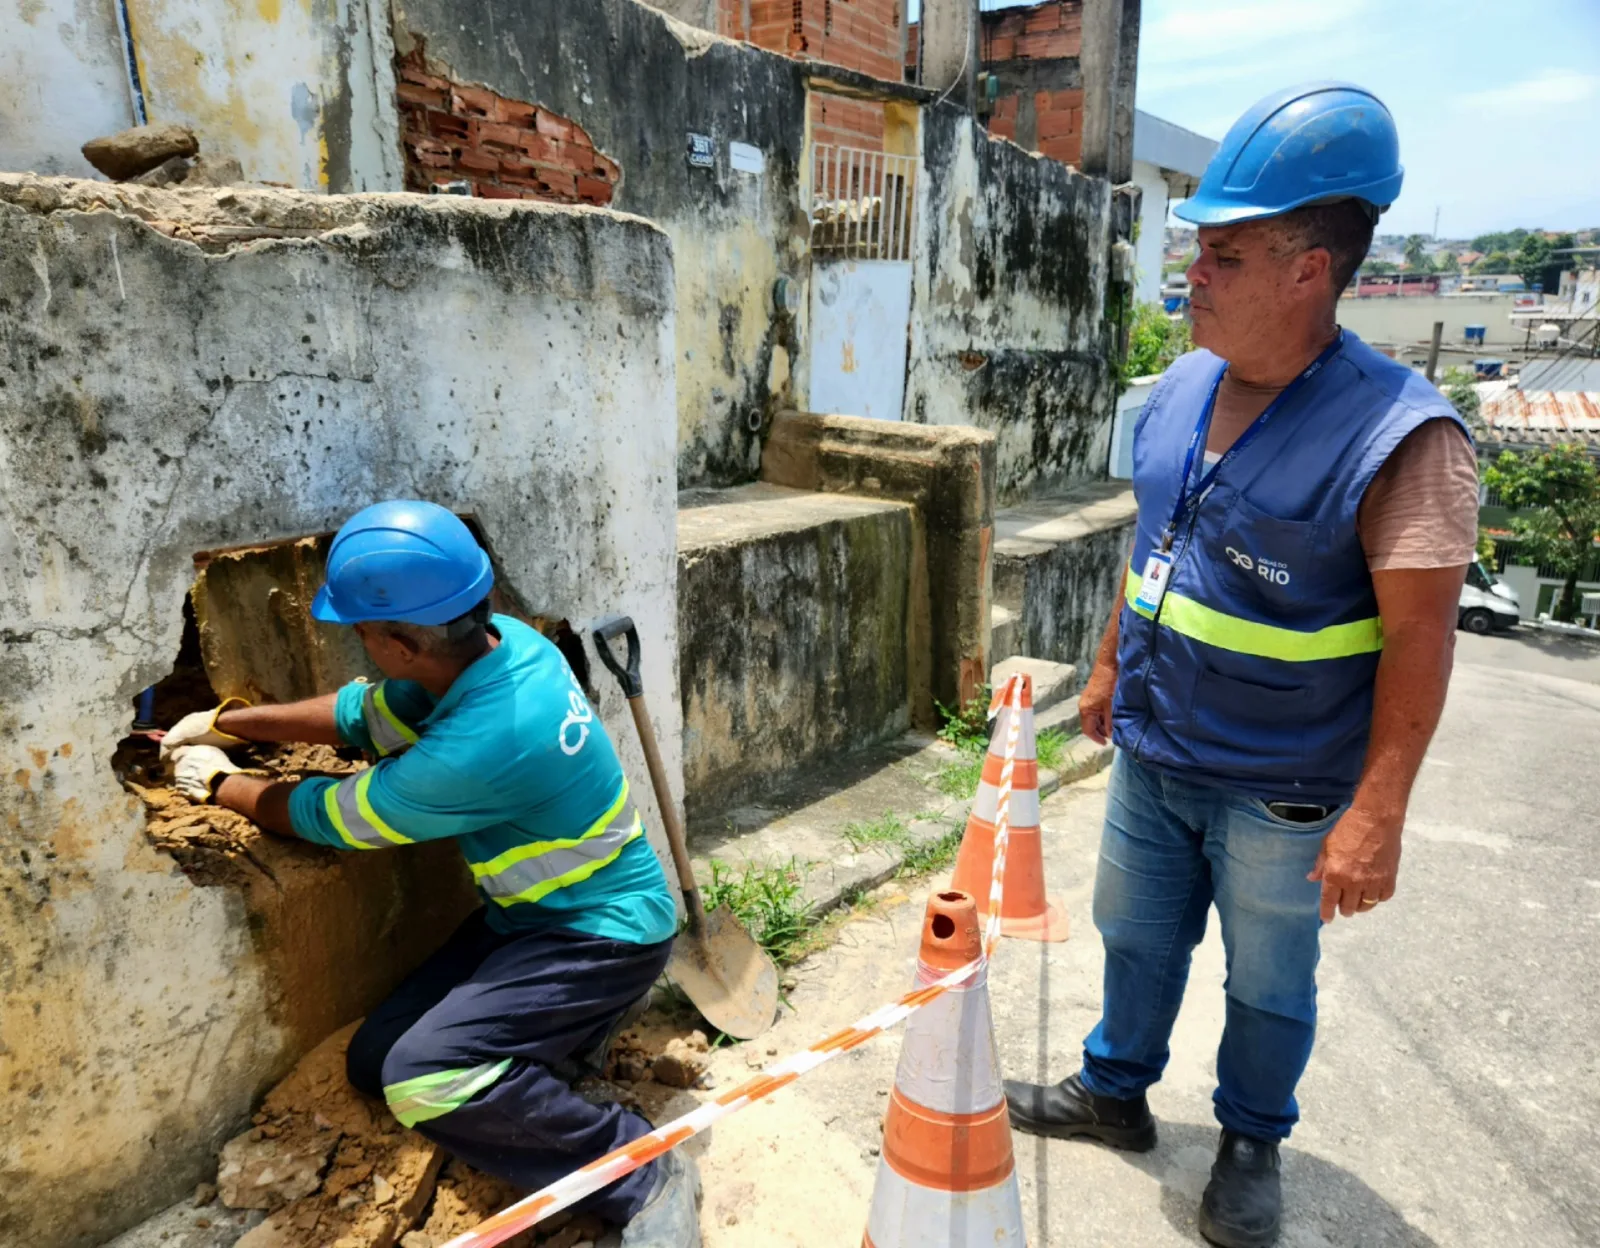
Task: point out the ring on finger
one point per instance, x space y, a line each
1368 902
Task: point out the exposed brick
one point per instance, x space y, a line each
1068 149
478 162
605 167
449 127
537 147
472 101
594 191
559 182
435 160
490 190
551 126
514 112
497 135
422 78
424 97
1057 124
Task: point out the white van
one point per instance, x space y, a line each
1488 604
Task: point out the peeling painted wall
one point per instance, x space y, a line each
639 83
161 396
62 82
1008 328
301 92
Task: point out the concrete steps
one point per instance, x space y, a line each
1052 682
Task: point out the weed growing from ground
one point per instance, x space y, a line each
888 831
769 901
931 856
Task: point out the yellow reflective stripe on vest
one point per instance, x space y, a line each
390 734
433 1096
529 872
352 815
1229 632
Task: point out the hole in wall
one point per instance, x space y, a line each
332 931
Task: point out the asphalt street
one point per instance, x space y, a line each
1453 1099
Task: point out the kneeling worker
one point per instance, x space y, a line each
482 734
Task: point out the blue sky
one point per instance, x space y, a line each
1498 104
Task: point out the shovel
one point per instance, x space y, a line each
717 963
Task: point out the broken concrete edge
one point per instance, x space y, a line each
857 872
241 215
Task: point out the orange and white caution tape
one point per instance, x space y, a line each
606 1170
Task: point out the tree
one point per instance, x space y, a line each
1461 389
1505 240
1446 262
1494 262
1378 266
1558 495
1532 257
1154 341
1416 253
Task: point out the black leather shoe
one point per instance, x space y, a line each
1243 1204
1069 1109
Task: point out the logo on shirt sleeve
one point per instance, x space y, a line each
579 717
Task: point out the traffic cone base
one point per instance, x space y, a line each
947 1174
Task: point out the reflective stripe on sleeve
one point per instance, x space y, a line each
351 813
390 734
433 1096
1267 641
535 870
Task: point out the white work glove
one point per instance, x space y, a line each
194 767
199 728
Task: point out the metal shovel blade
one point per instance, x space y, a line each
727 975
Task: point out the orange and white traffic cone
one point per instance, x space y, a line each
947 1175
1025 910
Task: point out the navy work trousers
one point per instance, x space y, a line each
528 1001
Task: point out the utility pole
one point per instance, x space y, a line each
1436 223
950 49
1433 350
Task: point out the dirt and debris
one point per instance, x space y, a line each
682 1062
336 1170
212 844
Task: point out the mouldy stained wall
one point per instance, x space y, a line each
639 84
159 397
1008 328
291 90
793 609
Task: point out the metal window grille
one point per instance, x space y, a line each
861 203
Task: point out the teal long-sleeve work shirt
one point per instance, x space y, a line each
512 764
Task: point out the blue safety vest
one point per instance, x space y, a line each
1256 672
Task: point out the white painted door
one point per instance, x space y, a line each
860 320
861 206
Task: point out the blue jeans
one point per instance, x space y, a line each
1170 850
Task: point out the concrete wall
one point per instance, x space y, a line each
639 84
300 94
1058 566
1007 318
793 610
163 395
1410 318
1152 226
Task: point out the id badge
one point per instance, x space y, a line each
1154 585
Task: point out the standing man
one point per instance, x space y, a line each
482 735
1278 662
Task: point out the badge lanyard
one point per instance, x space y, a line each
1153 586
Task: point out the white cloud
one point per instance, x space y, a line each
1188 34
1553 88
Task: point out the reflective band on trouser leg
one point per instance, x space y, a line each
389 733
947 1175
532 871
353 817
1267 641
433 1096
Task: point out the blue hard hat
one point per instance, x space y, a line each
403 560
1322 141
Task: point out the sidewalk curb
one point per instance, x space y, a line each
870 868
